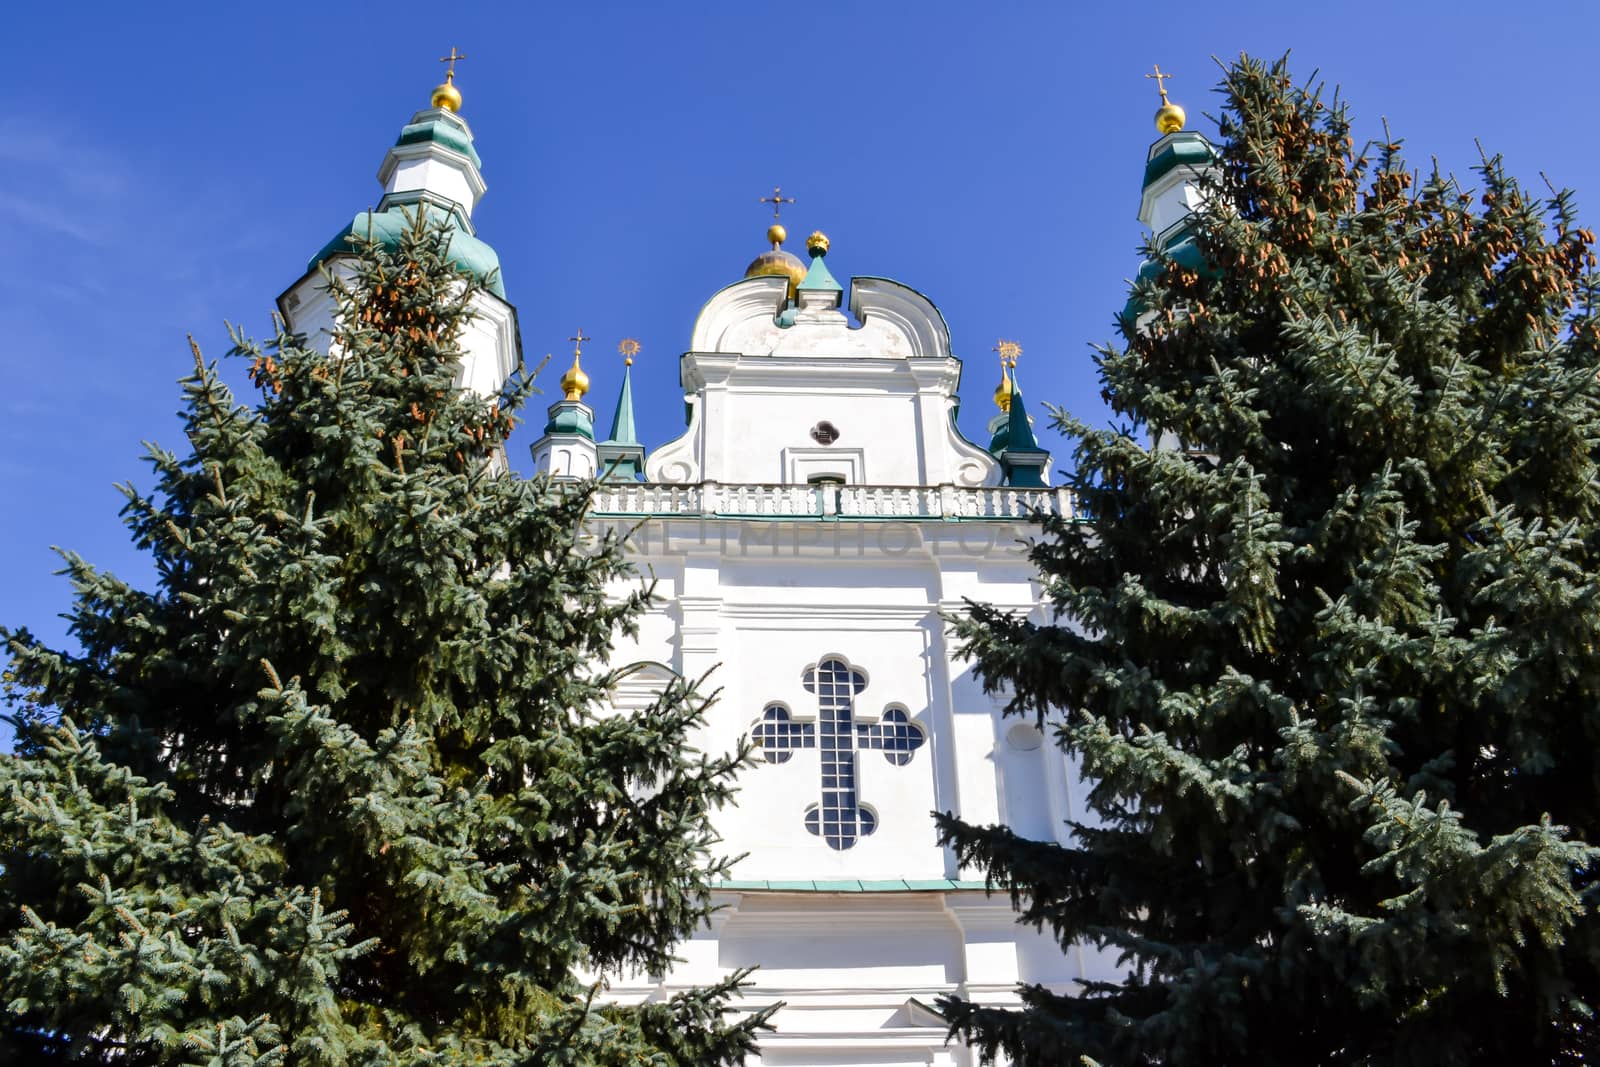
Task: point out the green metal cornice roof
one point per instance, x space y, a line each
1182 251
387 227
572 417
439 129
1185 148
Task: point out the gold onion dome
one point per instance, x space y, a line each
574 383
1002 393
777 262
447 96
1009 351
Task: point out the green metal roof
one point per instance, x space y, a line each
570 416
621 454
622 431
441 130
1186 148
388 226
1020 431
820 277
1182 251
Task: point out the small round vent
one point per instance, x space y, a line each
824 433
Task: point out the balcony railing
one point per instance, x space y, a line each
830 501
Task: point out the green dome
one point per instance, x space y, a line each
999 433
1184 252
387 227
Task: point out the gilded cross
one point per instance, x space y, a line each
839 819
450 71
777 200
1161 82
577 342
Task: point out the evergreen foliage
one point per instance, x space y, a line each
340 789
1332 669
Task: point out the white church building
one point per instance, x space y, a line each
809 532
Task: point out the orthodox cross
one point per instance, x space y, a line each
838 819
1161 81
450 71
577 342
777 200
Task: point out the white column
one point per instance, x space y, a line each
989 945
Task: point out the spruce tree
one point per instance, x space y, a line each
341 788
1331 666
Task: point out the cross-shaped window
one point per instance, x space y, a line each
838 818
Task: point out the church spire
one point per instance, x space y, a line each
1013 442
1172 171
1019 428
567 448
432 167
1174 189
431 170
621 455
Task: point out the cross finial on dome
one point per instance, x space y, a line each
777 200
1161 81
450 71
776 233
445 94
575 383
1169 117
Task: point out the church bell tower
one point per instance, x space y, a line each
431 170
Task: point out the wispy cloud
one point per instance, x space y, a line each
76 169
43 215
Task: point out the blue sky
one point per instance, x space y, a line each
163 172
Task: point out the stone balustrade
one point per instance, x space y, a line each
768 501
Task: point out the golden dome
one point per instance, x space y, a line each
1170 118
574 383
447 96
778 263
1002 392
1009 351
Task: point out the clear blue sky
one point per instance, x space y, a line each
164 170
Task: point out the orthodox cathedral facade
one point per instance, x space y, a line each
809 531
